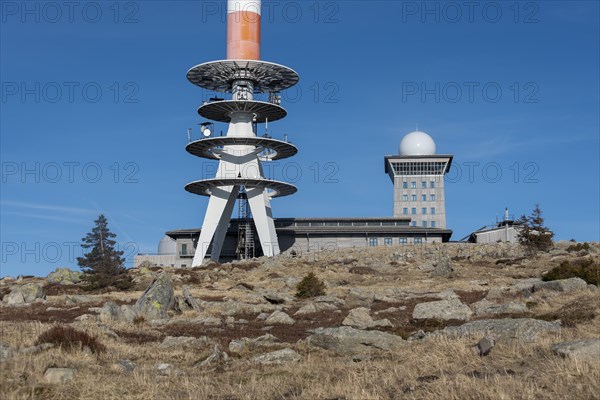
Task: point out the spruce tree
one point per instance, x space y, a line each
103 264
533 234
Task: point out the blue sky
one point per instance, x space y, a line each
95 109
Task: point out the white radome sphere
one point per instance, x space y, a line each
417 143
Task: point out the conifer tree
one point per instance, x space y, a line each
533 234
103 265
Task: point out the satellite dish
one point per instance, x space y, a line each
206 132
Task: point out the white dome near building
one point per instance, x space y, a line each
167 245
417 143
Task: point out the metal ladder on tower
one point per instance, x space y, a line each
245 248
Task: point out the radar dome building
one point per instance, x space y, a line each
418 177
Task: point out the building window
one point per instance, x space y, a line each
432 210
405 210
404 185
404 197
413 223
403 240
373 242
433 224
424 224
184 249
414 210
414 197
431 184
423 197
432 197
424 210
414 185
418 240
387 241
424 184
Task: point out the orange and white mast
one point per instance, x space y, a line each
243 29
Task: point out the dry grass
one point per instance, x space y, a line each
439 368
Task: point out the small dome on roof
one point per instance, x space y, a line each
167 245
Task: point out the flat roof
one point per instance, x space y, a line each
364 226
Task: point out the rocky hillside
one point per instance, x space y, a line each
438 321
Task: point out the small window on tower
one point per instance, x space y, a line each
405 185
432 210
413 223
413 210
433 224
424 224
423 197
404 197
431 184
432 197
424 210
424 184
414 185
405 210
414 197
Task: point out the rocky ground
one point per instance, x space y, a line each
451 321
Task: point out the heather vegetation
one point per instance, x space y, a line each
451 321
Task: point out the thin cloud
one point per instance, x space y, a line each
49 207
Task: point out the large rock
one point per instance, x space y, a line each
486 307
562 285
24 294
58 375
15 297
581 350
65 276
217 357
279 318
361 319
240 345
524 329
110 312
278 357
190 300
452 309
443 268
349 341
157 299
312 308
32 291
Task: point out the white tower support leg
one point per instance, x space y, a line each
260 204
216 220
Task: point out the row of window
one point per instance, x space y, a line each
419 168
413 185
390 241
414 197
413 210
423 224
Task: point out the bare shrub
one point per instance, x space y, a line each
310 286
69 338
